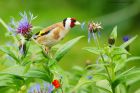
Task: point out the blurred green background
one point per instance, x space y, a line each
123 13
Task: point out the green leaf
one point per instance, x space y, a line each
10 80
51 62
132 77
114 33
4 24
137 91
5 89
129 77
65 48
93 50
104 85
123 63
121 88
128 42
14 70
132 59
120 78
37 28
104 89
81 82
118 51
10 53
27 67
40 74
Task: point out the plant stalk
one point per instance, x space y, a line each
106 68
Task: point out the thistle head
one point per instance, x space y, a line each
94 27
37 88
23 26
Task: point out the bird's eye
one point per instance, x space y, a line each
73 20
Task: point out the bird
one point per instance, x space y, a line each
53 34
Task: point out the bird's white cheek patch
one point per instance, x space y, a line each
67 24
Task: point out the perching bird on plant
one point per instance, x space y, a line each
51 35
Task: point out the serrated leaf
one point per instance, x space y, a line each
128 42
65 48
93 50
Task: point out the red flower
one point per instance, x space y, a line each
56 83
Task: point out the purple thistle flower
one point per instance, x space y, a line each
125 39
47 88
23 26
89 77
38 88
50 88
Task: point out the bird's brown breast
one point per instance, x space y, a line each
56 34
51 35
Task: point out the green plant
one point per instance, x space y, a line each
27 67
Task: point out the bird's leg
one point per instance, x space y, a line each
47 50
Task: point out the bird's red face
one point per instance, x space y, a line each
70 22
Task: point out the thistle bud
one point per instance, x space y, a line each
125 39
111 41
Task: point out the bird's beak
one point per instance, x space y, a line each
77 23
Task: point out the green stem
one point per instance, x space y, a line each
106 68
62 90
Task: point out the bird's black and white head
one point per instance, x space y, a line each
70 23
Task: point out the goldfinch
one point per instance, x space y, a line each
51 35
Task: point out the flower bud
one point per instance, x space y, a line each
111 41
125 39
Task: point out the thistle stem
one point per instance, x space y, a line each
106 68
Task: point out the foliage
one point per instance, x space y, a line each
34 66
